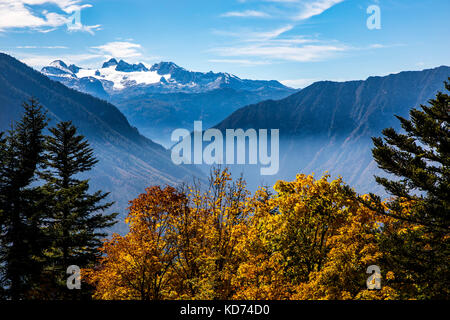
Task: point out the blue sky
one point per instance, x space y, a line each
293 41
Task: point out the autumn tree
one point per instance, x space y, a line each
181 244
353 248
220 215
312 211
311 240
136 266
261 273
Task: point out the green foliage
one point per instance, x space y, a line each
22 212
419 159
48 218
75 215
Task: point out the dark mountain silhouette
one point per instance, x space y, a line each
157 115
329 125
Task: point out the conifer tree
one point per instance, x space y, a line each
22 213
419 159
77 217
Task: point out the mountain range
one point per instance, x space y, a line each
160 98
328 125
128 161
164 77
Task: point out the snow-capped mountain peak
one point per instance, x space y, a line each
58 64
126 67
109 63
59 67
166 67
118 75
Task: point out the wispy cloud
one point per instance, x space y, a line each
280 43
299 83
242 62
25 14
246 14
307 53
120 49
246 35
275 45
313 8
39 61
271 34
305 82
91 57
295 9
42 47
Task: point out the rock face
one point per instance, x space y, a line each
128 162
328 126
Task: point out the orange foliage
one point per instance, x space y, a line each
312 239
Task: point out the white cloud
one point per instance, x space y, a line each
305 82
243 62
252 36
120 49
274 45
95 55
246 14
299 83
283 1
280 44
39 61
81 27
313 8
298 9
273 33
20 14
42 47
307 53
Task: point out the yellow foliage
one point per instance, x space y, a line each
312 239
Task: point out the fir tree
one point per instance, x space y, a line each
77 217
419 159
22 213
